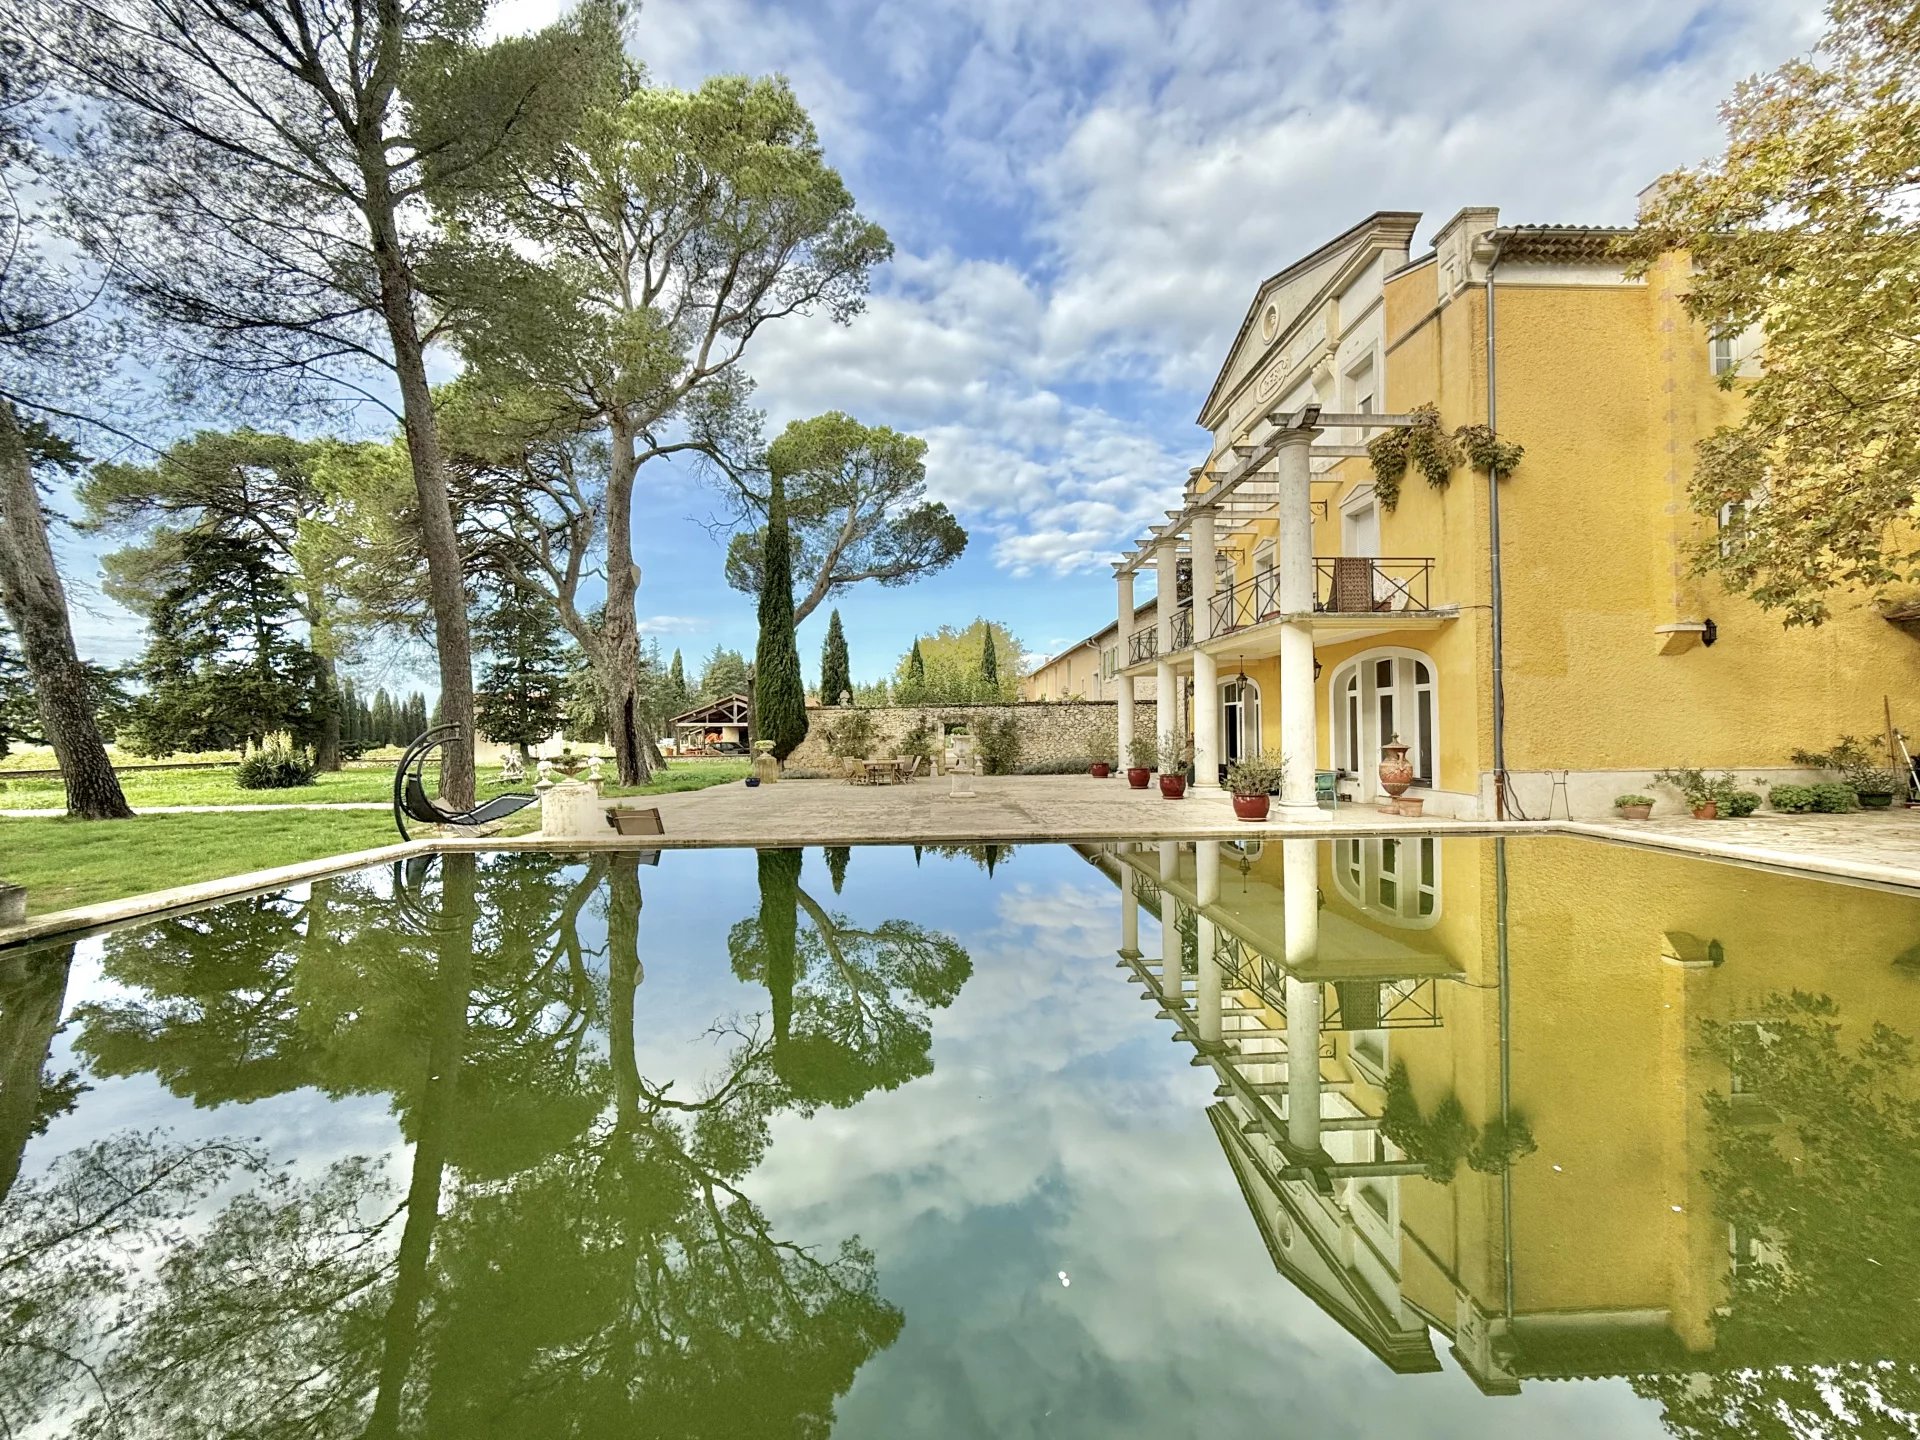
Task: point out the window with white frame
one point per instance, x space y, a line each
1390 877
1109 662
1720 353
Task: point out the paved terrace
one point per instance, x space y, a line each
1879 849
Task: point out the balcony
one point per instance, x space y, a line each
1342 585
1143 645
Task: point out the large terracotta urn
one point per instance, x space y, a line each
1396 771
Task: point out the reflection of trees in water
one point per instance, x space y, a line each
852 1006
571 1249
1814 1163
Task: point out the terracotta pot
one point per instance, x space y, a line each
1138 775
1100 770
1252 807
1708 811
1409 806
1173 787
1396 771
1635 812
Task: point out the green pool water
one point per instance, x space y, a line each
895 1142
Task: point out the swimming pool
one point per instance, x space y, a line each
933 1142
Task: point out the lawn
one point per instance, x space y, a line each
217 787
64 862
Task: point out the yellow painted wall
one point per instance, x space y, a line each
1607 1063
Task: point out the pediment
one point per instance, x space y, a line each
1286 319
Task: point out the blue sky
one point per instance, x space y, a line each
1083 197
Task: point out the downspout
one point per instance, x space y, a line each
1493 559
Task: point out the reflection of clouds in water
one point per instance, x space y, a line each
1061 1131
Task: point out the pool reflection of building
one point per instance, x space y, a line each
1600 1252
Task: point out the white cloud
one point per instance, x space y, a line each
1150 165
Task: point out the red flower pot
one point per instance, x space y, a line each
1100 769
1251 807
1138 775
1173 787
1708 811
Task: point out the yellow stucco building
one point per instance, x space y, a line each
1549 632
1571 1006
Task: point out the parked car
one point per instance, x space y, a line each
730 747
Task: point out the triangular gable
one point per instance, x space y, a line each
1272 322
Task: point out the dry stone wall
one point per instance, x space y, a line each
1053 735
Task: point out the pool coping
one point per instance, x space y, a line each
85 919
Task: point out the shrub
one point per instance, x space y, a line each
1834 798
278 764
1862 764
1053 767
1624 800
1142 752
918 743
851 736
1740 802
1175 754
998 745
1255 775
1102 744
1791 799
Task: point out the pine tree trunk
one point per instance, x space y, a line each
33 992
326 751
621 648
446 583
36 607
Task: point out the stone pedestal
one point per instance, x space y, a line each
572 810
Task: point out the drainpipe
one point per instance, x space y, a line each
1493 562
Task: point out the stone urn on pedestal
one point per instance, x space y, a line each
766 769
1396 773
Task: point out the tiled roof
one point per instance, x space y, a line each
1566 244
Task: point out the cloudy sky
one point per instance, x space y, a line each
1083 196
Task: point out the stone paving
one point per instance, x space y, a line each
1872 848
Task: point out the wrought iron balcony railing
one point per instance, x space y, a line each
1342 585
1143 645
1183 628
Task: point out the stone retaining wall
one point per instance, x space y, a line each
1053 735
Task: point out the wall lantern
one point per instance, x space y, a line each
1711 633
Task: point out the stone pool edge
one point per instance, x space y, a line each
108 913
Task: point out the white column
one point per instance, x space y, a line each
1124 583
1170 991
1166 719
1207 1000
1293 556
1129 913
1206 871
1206 673
1300 908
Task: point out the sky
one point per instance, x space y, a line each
1083 198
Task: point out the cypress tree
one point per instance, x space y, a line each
779 689
677 697
989 666
836 678
916 665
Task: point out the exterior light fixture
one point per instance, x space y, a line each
1316 667
1241 678
1710 634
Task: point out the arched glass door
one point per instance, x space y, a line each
1239 719
1381 694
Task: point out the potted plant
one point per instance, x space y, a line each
1634 807
1703 792
1863 768
1175 755
1100 749
1254 781
1142 753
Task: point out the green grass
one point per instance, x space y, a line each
64 862
217 787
